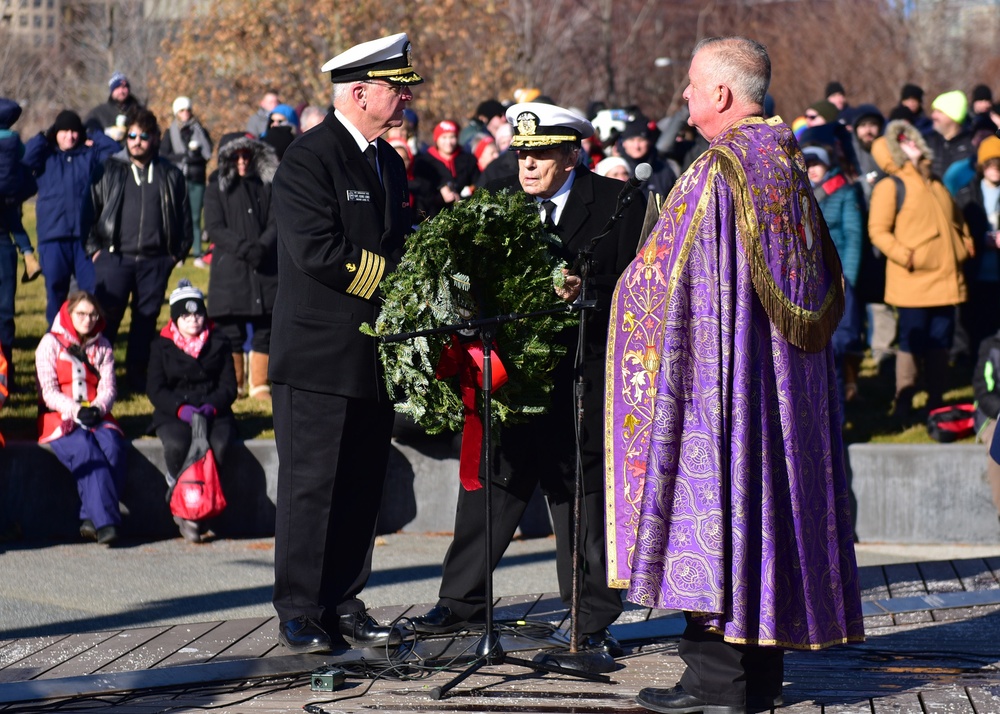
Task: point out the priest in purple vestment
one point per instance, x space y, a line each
726 490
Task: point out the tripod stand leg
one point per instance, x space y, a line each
441 692
556 669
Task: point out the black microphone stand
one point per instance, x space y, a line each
489 651
573 658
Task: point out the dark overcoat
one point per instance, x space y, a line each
330 262
591 202
244 279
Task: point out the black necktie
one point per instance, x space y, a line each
550 214
372 161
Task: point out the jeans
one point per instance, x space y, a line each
922 329
62 259
144 281
196 197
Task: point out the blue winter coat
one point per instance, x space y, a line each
843 217
64 207
16 185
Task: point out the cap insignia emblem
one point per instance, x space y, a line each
527 123
190 307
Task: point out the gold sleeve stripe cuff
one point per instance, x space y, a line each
367 278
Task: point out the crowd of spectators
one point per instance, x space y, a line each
912 201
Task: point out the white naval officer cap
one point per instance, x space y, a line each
538 125
387 58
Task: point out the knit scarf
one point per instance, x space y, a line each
190 346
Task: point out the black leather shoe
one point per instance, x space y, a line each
676 701
106 535
602 641
439 620
360 628
763 703
304 635
87 529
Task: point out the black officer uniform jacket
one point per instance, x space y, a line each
332 258
591 202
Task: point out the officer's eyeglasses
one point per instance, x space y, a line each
395 89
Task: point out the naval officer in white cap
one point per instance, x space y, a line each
342 206
575 204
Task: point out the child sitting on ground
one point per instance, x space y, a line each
16 186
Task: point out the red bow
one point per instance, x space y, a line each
466 360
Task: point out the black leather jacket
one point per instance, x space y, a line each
107 195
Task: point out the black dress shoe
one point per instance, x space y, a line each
439 620
764 703
87 529
360 628
304 635
676 701
106 535
602 641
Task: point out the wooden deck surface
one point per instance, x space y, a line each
933 646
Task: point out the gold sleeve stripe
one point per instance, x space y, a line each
368 276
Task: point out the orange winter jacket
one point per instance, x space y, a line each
929 228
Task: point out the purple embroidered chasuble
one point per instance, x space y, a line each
726 490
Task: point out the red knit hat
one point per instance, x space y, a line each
481 145
445 127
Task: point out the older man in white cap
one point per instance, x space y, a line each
575 204
342 206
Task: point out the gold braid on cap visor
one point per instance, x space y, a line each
530 140
402 75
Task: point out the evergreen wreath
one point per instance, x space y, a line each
487 255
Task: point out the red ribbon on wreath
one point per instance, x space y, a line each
466 360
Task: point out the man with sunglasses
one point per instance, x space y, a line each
143 228
342 205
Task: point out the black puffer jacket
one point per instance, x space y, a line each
241 227
175 378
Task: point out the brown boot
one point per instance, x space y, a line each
906 385
32 269
240 366
259 388
852 365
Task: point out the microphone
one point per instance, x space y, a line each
642 173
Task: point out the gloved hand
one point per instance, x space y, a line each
89 416
207 411
185 412
253 254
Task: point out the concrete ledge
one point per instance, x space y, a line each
927 493
38 498
923 493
